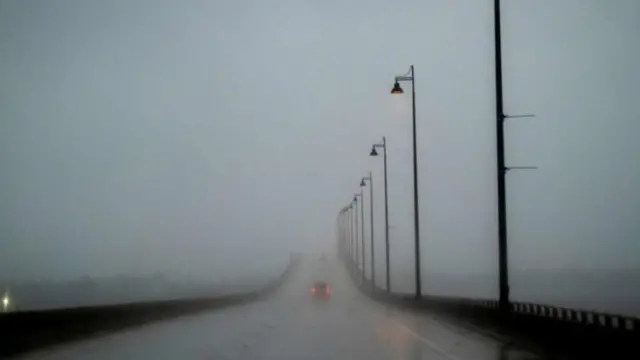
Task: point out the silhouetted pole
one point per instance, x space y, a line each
501 168
416 203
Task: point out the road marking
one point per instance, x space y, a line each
426 341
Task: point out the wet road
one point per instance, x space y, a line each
289 325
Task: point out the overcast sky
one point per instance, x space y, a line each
195 137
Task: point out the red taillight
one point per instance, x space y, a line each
328 290
313 290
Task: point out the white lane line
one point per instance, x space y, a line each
426 341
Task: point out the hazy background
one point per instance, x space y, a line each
208 139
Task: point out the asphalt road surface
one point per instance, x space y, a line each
291 325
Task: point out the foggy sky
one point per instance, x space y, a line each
201 137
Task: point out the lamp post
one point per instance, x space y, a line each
383 145
339 234
345 235
355 213
410 76
352 238
363 183
360 196
345 215
342 232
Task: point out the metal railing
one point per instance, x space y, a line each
551 313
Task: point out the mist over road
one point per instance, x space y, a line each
290 325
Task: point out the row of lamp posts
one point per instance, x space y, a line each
349 231
350 228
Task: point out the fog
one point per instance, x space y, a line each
209 139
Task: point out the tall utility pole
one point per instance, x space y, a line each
501 168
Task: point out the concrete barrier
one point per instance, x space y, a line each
29 330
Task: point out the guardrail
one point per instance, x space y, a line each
551 329
29 330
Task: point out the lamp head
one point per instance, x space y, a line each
397 89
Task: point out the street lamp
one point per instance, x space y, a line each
363 183
339 233
410 76
349 233
342 232
354 204
345 227
353 228
361 197
340 239
352 251
383 145
345 231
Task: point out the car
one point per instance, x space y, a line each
321 290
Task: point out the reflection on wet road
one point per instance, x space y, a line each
290 325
